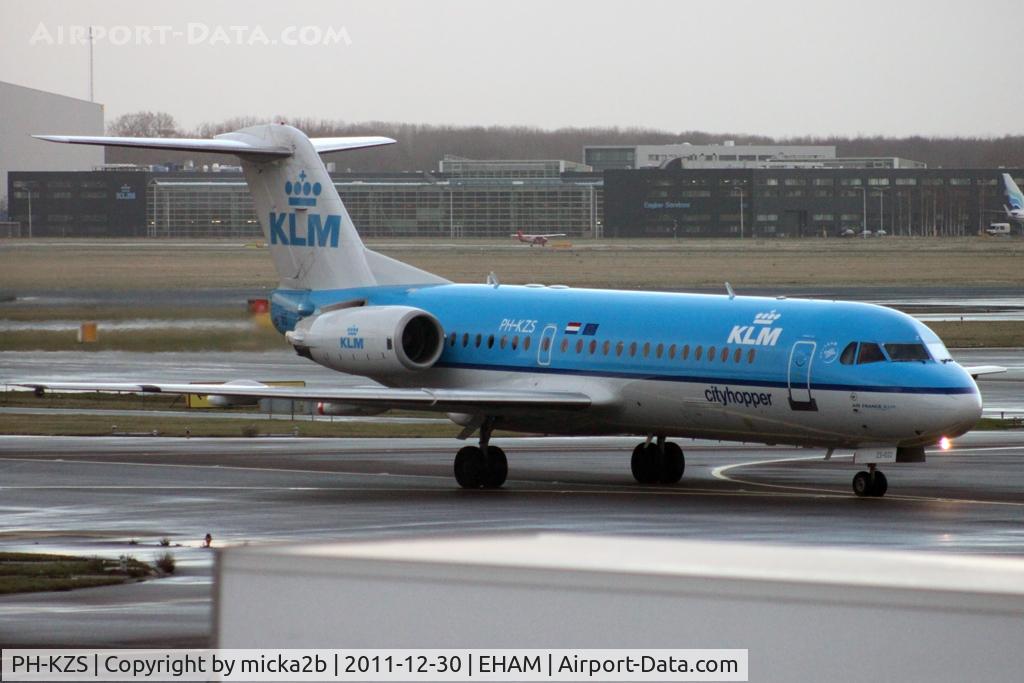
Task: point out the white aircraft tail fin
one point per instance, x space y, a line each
310 235
1014 197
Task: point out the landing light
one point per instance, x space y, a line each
945 444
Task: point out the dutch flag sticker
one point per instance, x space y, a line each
573 328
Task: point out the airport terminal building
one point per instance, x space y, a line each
722 190
466 198
673 201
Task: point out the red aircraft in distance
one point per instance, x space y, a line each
535 239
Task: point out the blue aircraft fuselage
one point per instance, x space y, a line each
732 367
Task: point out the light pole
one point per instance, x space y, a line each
28 188
864 212
740 190
881 211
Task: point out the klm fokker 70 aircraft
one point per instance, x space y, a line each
569 361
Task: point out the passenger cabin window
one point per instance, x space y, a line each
904 353
849 354
869 353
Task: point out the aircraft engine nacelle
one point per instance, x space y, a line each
235 401
371 340
332 408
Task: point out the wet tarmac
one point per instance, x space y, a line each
97 495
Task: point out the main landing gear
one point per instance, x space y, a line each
871 483
483 466
660 462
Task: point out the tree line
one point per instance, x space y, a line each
420 146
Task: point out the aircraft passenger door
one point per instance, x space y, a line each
800 359
546 346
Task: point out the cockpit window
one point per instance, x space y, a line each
849 354
902 353
869 353
939 352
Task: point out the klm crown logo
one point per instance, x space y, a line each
301 192
353 330
766 318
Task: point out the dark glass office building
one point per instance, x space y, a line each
801 202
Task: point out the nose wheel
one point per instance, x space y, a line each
870 484
662 462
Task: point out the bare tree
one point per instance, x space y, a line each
144 124
420 146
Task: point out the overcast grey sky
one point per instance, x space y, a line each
776 67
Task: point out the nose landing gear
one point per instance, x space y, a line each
871 483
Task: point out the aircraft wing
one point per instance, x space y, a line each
979 370
439 400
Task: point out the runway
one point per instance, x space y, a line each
96 495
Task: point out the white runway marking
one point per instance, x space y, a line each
592 489
720 473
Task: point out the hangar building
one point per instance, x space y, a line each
24 111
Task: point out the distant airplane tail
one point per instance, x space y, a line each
311 237
1014 197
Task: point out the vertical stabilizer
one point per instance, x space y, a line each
1014 197
307 229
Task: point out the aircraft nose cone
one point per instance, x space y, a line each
967 411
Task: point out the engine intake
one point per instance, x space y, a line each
371 340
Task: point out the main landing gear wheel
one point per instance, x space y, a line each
474 470
870 484
658 464
483 466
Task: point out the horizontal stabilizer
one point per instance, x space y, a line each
324 145
239 144
218 145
